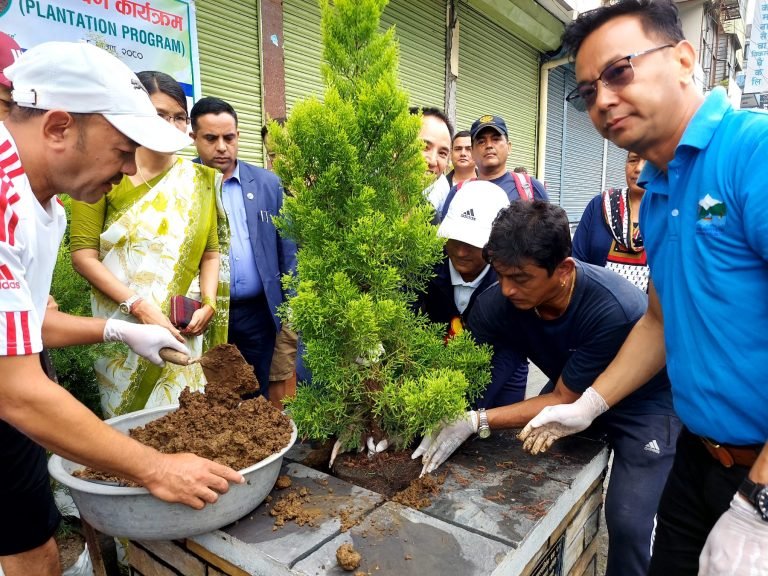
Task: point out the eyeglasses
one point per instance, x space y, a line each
615 76
176 118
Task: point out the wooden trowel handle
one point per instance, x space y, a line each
174 356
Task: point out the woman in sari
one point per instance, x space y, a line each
159 233
609 232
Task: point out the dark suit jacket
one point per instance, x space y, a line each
274 255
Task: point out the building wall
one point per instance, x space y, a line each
284 42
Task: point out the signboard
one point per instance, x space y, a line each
146 35
757 62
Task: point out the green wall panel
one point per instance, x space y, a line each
499 75
228 42
420 29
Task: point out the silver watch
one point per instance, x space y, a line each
483 430
125 307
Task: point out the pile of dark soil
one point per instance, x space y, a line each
387 473
392 474
217 424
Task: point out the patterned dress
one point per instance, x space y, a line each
152 238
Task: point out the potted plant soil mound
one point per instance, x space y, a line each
248 435
354 174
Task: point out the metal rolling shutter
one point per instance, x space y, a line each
615 175
420 30
228 41
303 50
498 74
555 116
582 158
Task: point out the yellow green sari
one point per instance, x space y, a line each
152 239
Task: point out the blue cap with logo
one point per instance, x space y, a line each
488 121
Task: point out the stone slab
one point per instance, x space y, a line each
496 510
494 488
395 539
254 544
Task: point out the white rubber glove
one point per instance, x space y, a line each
338 449
376 447
554 422
144 339
440 444
737 544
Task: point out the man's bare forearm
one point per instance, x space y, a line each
60 329
519 414
53 418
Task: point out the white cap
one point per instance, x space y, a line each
82 78
472 212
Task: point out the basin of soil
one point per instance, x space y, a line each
217 424
249 435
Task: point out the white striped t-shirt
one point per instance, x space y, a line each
30 235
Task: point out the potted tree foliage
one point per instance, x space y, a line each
353 167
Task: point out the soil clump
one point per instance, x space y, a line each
217 424
293 506
420 492
347 557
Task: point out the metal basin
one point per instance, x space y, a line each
134 513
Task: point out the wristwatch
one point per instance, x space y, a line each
483 430
757 495
125 307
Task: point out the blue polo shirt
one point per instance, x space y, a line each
705 226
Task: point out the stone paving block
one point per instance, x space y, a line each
394 539
493 487
253 543
504 451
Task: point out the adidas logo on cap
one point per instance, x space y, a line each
469 214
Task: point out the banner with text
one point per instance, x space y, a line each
756 79
146 35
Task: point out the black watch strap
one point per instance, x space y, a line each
757 495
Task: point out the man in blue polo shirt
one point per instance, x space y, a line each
703 220
490 150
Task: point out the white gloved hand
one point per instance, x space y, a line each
737 544
440 444
144 339
554 422
376 447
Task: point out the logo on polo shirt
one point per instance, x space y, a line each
7 281
710 218
469 214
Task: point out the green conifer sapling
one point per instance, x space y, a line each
355 174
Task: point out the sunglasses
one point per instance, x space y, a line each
615 76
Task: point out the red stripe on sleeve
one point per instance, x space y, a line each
10 333
25 332
7 200
12 223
